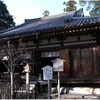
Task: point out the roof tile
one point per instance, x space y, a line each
65 20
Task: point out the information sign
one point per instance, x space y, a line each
47 72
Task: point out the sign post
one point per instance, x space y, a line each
48 89
58 66
58 85
48 75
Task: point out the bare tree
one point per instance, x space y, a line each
12 55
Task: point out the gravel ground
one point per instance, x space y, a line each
69 96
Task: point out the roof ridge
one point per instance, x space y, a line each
86 17
58 15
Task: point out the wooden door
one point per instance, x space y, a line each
75 68
87 62
64 54
82 62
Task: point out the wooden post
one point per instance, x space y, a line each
58 85
11 71
12 85
48 89
27 85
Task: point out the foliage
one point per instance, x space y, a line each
96 9
70 6
46 13
93 6
6 20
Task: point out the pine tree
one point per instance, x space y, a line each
70 5
93 6
46 13
6 20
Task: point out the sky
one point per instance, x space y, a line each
28 9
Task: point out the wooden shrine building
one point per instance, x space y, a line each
70 36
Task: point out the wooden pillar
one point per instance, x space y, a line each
95 64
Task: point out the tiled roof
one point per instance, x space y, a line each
64 20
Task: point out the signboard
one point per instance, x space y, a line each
47 72
50 54
58 64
